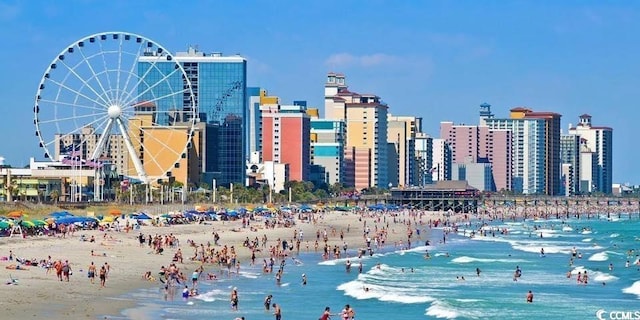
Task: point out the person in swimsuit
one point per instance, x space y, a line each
92 272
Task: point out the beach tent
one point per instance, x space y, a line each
140 216
74 219
59 214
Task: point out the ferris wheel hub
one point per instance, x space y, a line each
114 111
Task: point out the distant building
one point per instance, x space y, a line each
441 169
365 116
424 158
401 134
286 138
478 175
327 148
600 141
535 149
570 158
482 144
219 87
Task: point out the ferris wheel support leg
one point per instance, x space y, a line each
104 137
142 175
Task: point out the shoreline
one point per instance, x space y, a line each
129 261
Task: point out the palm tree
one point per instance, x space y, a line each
54 195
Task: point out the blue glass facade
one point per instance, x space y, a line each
219 87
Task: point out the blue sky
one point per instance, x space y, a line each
435 59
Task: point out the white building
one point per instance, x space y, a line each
599 140
424 158
441 169
529 152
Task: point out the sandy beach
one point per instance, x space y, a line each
39 294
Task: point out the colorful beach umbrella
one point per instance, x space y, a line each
39 223
115 212
27 224
16 214
5 224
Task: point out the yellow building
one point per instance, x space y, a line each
365 117
402 140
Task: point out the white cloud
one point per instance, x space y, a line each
339 60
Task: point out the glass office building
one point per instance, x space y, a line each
219 87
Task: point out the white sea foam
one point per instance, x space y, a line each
567 229
209 296
587 240
250 275
357 290
465 259
441 310
614 235
600 256
587 232
536 247
633 289
598 276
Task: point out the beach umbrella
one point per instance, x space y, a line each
5 224
16 214
115 212
39 223
107 219
27 224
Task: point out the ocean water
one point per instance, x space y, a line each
403 284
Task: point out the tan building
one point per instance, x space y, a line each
163 149
402 153
365 117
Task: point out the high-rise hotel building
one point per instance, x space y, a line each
598 140
365 116
219 87
535 149
285 138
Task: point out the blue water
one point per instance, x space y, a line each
405 285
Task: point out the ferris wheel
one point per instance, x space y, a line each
116 97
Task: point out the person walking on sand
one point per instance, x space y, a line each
103 276
92 272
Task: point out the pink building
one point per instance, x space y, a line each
477 144
286 138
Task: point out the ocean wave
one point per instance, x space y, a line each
614 235
567 229
600 256
603 277
249 275
587 232
356 289
465 259
633 289
536 247
442 310
587 240
210 296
